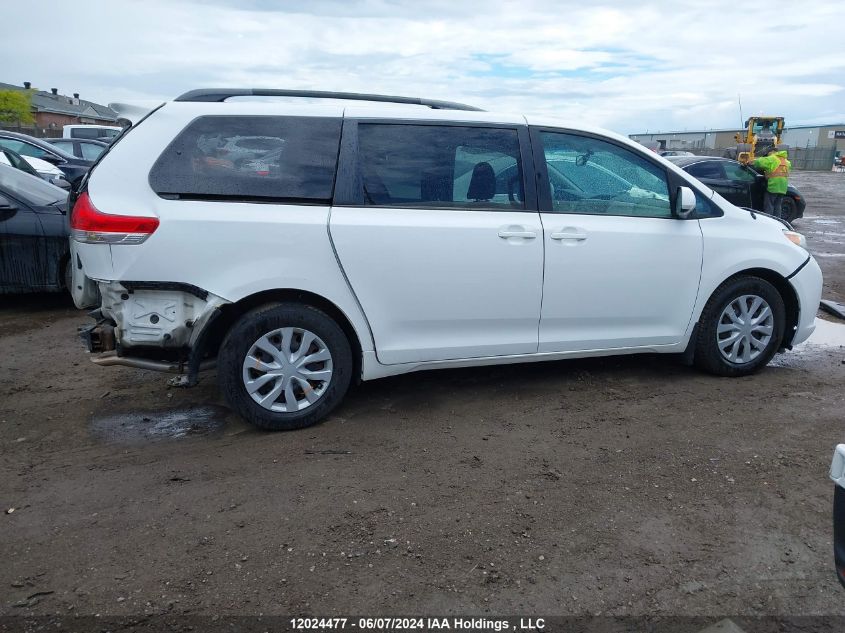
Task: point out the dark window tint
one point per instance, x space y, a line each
24 149
738 173
708 169
66 146
440 166
592 176
250 158
704 207
91 151
86 132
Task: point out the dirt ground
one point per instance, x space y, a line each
620 486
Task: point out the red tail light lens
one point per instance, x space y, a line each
90 226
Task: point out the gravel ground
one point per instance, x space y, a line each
618 486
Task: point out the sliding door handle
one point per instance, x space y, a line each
528 235
569 235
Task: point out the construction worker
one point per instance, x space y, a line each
776 168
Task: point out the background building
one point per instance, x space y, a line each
813 147
52 111
795 136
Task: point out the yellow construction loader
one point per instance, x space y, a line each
761 134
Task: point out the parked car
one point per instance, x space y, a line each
13 159
739 184
421 239
34 253
103 132
34 167
837 474
675 152
72 167
87 149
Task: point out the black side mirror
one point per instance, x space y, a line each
53 160
7 208
7 204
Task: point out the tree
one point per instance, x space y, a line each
15 107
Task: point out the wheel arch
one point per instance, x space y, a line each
231 312
791 305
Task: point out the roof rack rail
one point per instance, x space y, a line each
221 94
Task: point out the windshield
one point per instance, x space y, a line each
30 189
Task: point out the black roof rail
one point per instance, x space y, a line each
221 94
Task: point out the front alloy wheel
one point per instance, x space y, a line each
741 327
745 329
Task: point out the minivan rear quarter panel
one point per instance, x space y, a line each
232 249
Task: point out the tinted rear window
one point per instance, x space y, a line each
440 166
708 169
250 158
86 132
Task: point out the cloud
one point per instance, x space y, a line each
657 65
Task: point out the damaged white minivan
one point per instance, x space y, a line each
298 246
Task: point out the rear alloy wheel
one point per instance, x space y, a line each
741 327
285 367
287 370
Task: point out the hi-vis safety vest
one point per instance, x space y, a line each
781 171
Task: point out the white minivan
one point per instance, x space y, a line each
359 240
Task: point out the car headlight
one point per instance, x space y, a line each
796 238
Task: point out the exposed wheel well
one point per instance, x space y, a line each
230 313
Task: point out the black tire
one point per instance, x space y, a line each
67 276
256 324
708 356
788 209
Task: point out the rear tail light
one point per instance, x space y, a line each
90 226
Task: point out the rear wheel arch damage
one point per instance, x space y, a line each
228 315
791 307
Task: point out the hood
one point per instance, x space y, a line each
781 153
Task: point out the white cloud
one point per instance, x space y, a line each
651 66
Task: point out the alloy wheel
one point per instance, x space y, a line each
287 370
745 329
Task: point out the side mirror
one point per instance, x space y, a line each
684 203
53 160
8 209
6 204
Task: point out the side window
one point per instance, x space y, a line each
24 149
440 166
704 207
90 151
250 158
708 169
85 132
591 176
738 173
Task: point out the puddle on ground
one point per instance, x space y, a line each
826 334
825 221
817 254
166 424
827 340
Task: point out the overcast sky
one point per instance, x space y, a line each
624 65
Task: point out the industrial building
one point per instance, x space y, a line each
830 137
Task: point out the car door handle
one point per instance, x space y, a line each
528 235
569 235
